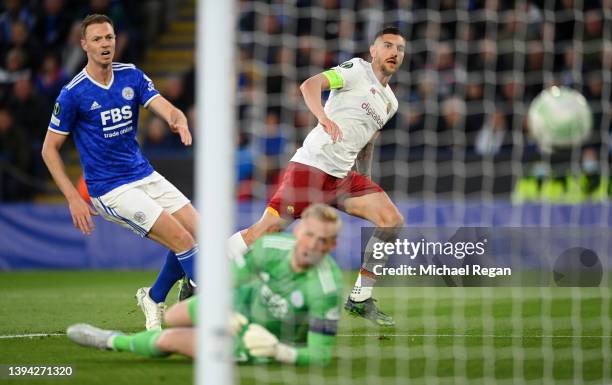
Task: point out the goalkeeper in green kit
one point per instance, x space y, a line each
288 293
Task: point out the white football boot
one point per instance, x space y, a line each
87 335
154 312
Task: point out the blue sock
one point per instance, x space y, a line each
186 259
168 275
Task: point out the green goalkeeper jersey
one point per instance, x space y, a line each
299 308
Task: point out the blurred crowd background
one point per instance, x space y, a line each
471 69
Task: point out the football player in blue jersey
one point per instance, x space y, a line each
99 107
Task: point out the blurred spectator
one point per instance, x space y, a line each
51 77
13 70
593 43
30 111
347 40
451 124
158 138
52 24
247 15
244 168
428 86
565 17
173 90
569 73
474 94
534 69
270 148
279 75
448 73
509 41
530 17
511 90
273 141
28 45
73 56
594 86
371 16
14 161
15 11
473 90
491 136
244 158
592 185
486 58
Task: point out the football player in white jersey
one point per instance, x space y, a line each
99 107
359 105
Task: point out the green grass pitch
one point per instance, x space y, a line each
442 336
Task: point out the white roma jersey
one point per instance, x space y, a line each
360 108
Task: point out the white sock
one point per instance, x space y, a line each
361 293
110 342
236 247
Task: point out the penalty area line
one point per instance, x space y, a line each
31 335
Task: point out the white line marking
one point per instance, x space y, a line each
32 335
463 335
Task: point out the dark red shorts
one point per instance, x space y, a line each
302 185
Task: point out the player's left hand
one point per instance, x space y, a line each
178 125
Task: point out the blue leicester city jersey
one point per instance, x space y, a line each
103 120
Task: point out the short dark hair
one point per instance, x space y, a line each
390 30
95 18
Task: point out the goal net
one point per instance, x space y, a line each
457 154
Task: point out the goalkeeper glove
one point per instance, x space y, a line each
261 343
237 322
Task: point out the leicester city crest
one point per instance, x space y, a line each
127 93
140 217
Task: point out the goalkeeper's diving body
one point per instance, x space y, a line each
287 302
360 103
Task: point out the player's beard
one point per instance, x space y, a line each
386 67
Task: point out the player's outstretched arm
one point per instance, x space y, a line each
175 118
80 211
311 91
